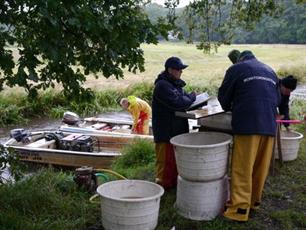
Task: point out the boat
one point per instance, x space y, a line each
69 149
98 125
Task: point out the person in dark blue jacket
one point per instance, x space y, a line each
287 85
168 97
250 90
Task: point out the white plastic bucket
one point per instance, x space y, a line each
201 200
201 156
290 143
130 204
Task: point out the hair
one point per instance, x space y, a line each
123 100
289 82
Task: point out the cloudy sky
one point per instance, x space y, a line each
182 2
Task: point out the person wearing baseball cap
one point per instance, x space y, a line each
175 63
250 90
169 97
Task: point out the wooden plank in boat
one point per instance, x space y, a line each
101 133
109 120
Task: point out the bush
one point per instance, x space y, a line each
137 160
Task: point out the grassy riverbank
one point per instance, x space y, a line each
49 199
205 73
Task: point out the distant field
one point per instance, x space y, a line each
206 70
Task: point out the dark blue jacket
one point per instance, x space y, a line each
168 97
250 90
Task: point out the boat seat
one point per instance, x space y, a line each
43 143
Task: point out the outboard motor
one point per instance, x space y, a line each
20 135
71 118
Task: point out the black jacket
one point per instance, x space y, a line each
284 108
168 97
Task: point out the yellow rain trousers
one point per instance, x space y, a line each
141 113
166 171
250 166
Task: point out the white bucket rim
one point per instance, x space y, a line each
298 137
201 146
158 195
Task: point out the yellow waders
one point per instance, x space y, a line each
250 166
141 113
166 171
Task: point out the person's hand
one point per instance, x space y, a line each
279 117
194 93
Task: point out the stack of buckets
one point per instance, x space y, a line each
202 161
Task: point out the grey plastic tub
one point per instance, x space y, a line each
201 156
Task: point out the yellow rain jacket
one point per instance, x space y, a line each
141 113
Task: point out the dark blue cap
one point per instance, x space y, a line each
247 54
175 63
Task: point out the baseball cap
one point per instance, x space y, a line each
175 63
245 54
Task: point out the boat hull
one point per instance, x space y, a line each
40 150
66 158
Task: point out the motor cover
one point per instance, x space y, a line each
70 118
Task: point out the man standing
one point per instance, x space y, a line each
168 97
250 91
287 85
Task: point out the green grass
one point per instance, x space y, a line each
137 161
205 73
47 200
15 108
50 199
205 70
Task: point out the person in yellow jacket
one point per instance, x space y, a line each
140 111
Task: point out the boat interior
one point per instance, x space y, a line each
67 141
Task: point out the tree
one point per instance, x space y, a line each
289 27
217 19
65 41
62 42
